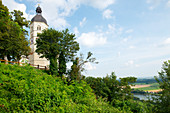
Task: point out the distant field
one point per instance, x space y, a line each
147 87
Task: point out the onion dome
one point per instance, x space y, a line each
38 17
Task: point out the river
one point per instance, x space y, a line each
144 97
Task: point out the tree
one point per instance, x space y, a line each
78 66
23 44
62 64
111 88
126 89
4 23
17 16
13 42
163 103
51 44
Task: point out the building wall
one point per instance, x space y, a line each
34 57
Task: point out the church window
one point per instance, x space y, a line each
31 28
38 27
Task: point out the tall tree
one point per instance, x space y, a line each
51 44
163 103
13 42
62 64
4 23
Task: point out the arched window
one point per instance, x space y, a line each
31 28
38 27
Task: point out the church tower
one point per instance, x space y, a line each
38 23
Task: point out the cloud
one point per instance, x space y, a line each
88 66
100 4
131 47
83 22
168 3
164 43
129 31
127 38
60 23
54 9
107 14
12 5
58 9
118 54
113 29
167 41
153 3
129 63
92 39
76 31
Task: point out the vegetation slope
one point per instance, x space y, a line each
25 89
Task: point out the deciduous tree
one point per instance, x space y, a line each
51 44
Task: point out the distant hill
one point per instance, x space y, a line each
146 81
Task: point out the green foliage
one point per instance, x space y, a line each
78 66
25 89
13 42
163 103
109 87
4 23
62 64
118 93
53 66
22 22
145 81
51 44
131 106
126 92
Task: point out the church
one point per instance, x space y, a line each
38 24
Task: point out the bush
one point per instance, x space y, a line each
25 89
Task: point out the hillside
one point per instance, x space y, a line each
25 89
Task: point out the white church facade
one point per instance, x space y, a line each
38 24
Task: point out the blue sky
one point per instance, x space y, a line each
129 37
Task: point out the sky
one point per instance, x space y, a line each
128 37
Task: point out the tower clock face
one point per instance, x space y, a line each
32 41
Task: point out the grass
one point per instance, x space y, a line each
154 86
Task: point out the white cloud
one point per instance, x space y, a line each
115 30
167 41
127 38
76 31
58 9
83 22
54 9
119 54
92 39
108 14
60 23
168 3
88 66
12 5
129 31
131 47
100 4
129 63
153 3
